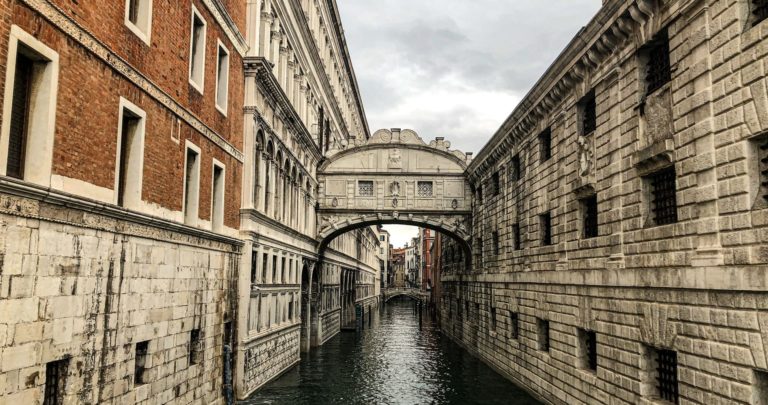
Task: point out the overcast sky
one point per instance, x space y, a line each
454 68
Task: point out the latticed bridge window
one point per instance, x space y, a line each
424 189
658 71
759 11
663 196
365 188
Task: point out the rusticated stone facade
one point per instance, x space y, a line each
619 221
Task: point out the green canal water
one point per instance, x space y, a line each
395 359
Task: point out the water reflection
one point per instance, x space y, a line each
392 361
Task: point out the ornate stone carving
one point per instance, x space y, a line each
585 155
394 188
395 160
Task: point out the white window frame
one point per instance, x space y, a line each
191 218
131 194
38 161
146 37
200 87
222 108
217 218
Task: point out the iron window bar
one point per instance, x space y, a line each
764 168
545 142
590 216
514 327
516 236
515 168
658 71
664 190
666 377
55 375
589 113
546 229
544 335
591 346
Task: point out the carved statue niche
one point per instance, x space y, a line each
394 188
585 156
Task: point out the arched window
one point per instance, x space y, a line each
257 169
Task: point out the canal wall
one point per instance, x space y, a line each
271 356
620 219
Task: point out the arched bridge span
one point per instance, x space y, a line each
395 178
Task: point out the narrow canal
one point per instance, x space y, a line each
392 361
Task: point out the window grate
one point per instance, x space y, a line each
55 380
588 113
365 188
591 346
516 242
759 11
543 326
545 144
664 199
514 326
658 72
590 216
545 222
496 248
764 168
514 165
496 183
140 361
195 346
424 188
666 377
493 319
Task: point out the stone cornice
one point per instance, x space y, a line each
88 41
260 68
104 216
604 35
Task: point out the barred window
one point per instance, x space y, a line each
763 157
663 367
514 167
588 340
514 325
657 70
663 196
496 248
588 109
589 215
493 319
516 241
545 144
55 382
759 11
542 325
140 362
424 188
195 347
496 183
545 224
365 188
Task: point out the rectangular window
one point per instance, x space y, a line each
365 188
29 100
222 79
760 388
514 168
588 342
545 228
663 196
424 188
516 241
496 183
195 347
588 109
138 18
264 265
290 310
759 11
496 248
254 262
514 325
493 319
191 186
479 253
661 368
657 69
19 119
130 156
589 216
761 147
217 203
545 145
140 363
274 269
542 326
55 382
381 238
480 194
197 51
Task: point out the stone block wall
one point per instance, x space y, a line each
695 287
271 356
85 287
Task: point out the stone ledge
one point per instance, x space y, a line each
658 155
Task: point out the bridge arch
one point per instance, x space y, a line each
395 178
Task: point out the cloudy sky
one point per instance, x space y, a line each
454 68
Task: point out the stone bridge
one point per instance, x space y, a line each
395 178
413 293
